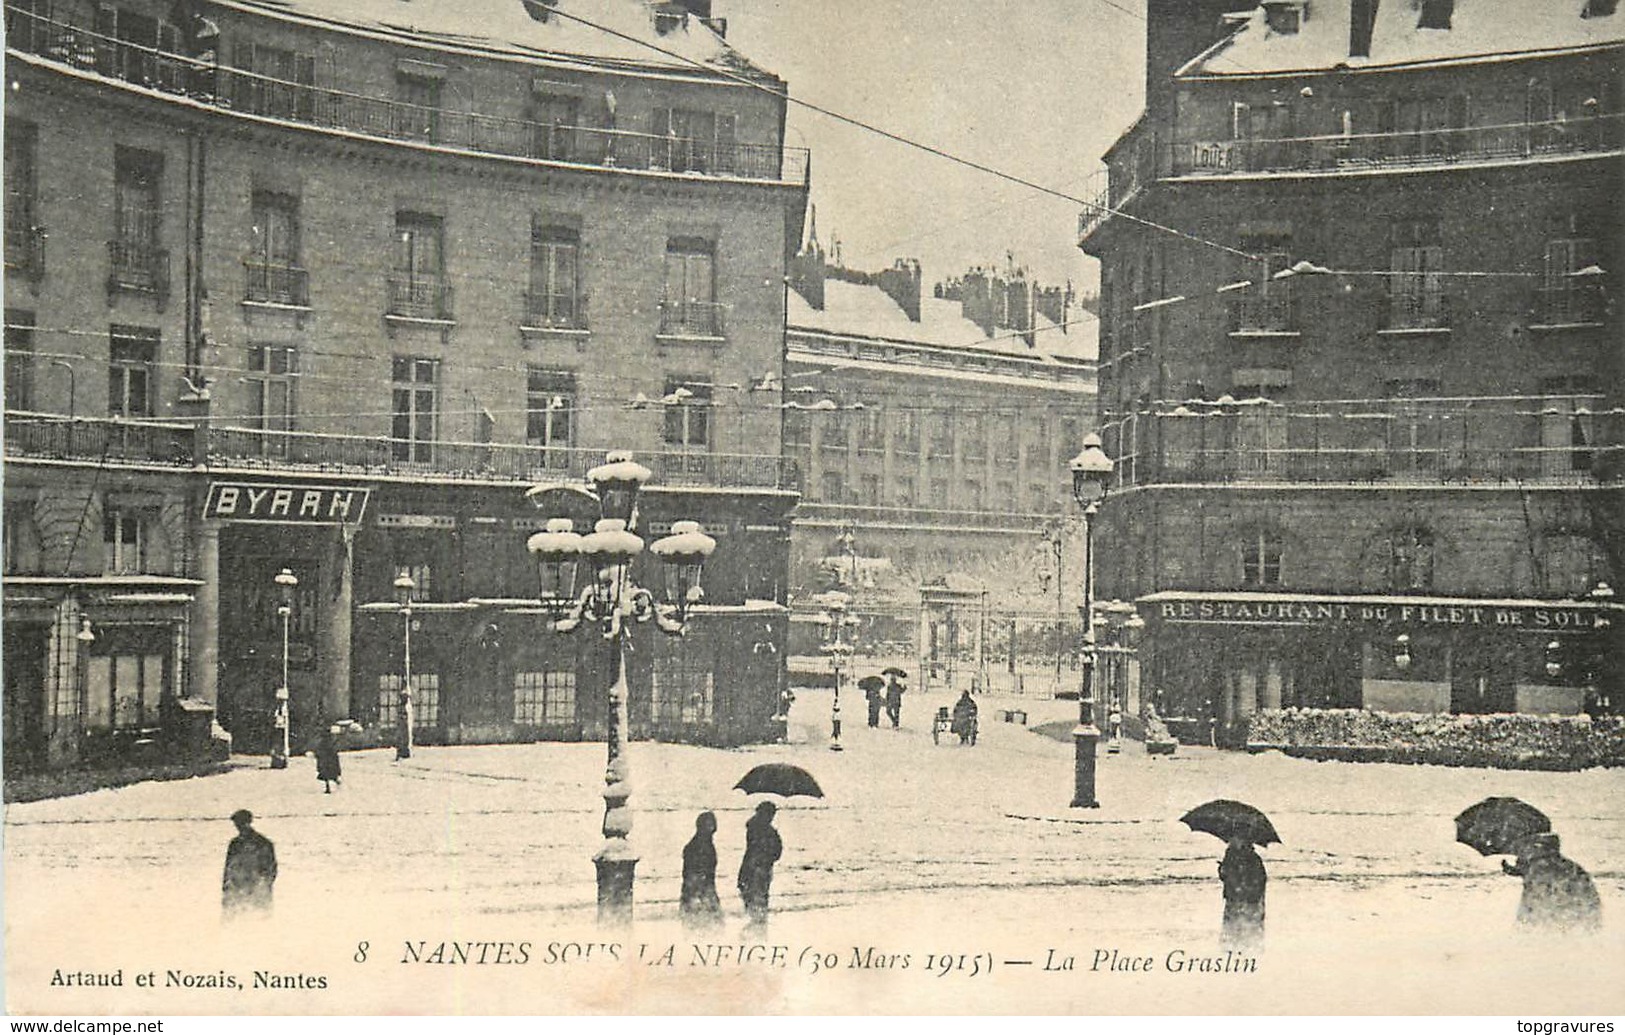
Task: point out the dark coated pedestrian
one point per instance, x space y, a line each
329 770
1244 879
699 906
762 849
1557 892
250 870
894 700
964 718
876 701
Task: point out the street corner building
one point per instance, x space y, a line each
301 298
1366 409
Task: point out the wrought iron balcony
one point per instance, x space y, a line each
1572 304
1269 312
277 284
229 88
42 436
691 319
1566 440
1418 311
138 266
420 296
556 311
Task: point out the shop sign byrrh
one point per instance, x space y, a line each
1532 616
285 504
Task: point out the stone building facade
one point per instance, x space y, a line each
1360 372
294 289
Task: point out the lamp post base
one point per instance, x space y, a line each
835 735
615 878
1084 740
402 752
279 761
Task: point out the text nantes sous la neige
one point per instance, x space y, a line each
817 959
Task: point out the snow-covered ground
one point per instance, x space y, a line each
916 850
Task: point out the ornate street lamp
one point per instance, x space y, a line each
1091 470
405 590
285 583
613 601
836 622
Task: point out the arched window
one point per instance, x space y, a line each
1410 559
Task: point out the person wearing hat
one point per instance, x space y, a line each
762 849
250 869
1557 891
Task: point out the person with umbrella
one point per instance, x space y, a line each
762 849
894 695
874 688
1241 871
699 905
1557 892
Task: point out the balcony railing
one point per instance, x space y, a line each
691 319
420 297
242 90
1268 313
1568 440
920 515
1434 148
1418 311
138 266
1572 304
561 312
45 436
277 284
25 250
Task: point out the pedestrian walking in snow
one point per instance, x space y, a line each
1557 892
250 869
329 770
894 700
699 906
762 849
1244 879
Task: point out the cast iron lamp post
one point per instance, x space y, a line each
285 583
1091 469
405 589
613 601
837 621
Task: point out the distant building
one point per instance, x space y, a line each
326 287
932 427
1368 430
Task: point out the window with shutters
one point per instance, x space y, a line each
417 111
554 298
126 539
418 287
271 81
550 407
688 415
689 308
137 260
270 381
25 240
554 119
1261 552
19 365
1416 296
1571 290
274 273
687 140
132 356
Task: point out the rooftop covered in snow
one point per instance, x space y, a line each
572 29
1272 39
866 311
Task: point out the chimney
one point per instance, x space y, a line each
1018 307
1362 22
902 284
976 299
1052 303
1175 32
807 274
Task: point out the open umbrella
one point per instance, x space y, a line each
894 671
1495 825
868 683
1227 820
781 778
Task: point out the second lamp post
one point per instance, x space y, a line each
405 590
1091 470
285 582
